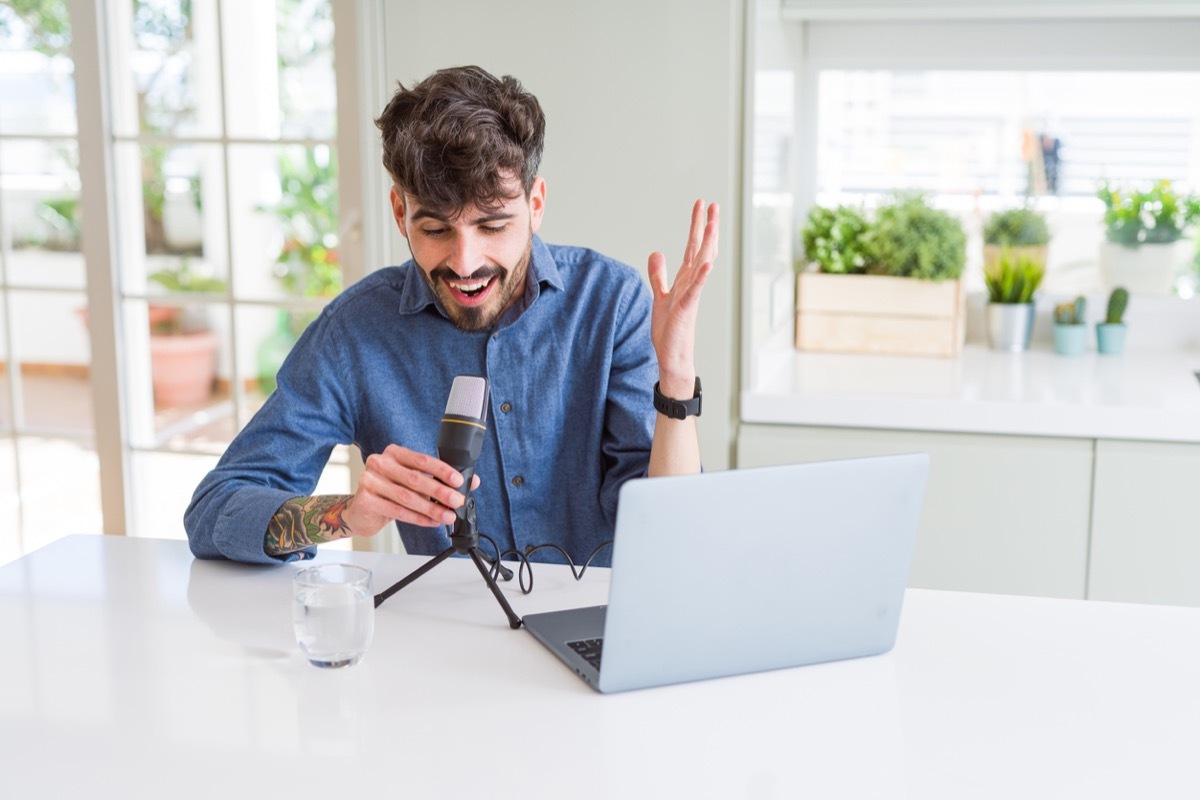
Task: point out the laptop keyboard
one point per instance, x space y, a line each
588 650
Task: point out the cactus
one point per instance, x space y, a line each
1118 301
1071 313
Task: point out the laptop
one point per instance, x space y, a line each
727 573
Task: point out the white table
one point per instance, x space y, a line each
130 670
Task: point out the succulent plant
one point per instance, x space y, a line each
1118 301
1072 313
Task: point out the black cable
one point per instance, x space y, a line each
527 568
523 557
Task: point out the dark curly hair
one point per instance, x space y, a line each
457 137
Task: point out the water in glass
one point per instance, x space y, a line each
334 618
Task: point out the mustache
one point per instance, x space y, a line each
481 274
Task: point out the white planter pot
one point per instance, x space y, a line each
1145 269
1010 326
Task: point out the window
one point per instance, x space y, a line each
49 470
980 141
980 114
222 186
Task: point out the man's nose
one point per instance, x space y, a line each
464 258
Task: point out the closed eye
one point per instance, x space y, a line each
493 229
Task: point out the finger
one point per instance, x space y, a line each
694 231
474 482
708 249
422 462
657 269
381 496
689 295
394 473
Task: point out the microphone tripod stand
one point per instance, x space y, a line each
464 540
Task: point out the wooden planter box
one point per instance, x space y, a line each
879 314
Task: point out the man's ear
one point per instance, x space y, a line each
537 203
398 210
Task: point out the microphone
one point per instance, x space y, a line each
460 438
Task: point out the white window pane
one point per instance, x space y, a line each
60 490
282 50
976 133
37 80
165 68
50 345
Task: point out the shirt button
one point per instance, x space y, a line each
517 481
495 336
506 407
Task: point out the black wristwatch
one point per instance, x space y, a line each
677 409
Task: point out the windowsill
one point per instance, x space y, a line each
1146 394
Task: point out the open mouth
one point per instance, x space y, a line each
471 292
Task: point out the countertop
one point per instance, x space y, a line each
1145 394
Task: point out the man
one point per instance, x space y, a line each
572 344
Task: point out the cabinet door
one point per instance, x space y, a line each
1145 523
1005 514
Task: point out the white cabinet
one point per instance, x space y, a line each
1005 514
1146 523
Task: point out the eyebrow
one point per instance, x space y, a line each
480 220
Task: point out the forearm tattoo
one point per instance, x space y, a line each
306 521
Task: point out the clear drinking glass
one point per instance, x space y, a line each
334 613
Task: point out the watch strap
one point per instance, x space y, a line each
677 409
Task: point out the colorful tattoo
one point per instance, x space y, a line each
306 521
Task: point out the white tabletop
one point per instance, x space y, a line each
1145 394
131 670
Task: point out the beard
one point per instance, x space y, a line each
471 319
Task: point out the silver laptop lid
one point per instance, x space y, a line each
754 569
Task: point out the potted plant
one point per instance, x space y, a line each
1011 283
183 348
1110 334
1022 231
1142 231
1069 328
835 239
892 285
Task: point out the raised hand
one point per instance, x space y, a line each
673 319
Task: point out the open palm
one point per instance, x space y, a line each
673 319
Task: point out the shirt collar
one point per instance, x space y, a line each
416 295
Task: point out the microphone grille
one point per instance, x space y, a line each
468 397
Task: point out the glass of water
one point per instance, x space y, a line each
334 613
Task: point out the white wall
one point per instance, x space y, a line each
643 107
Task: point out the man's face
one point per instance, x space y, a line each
477 261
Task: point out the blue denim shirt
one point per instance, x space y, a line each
571 369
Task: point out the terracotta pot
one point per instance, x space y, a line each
183 367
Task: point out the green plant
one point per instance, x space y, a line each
1072 313
1013 280
1158 215
1118 301
62 215
1016 227
307 264
911 239
835 240
180 279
